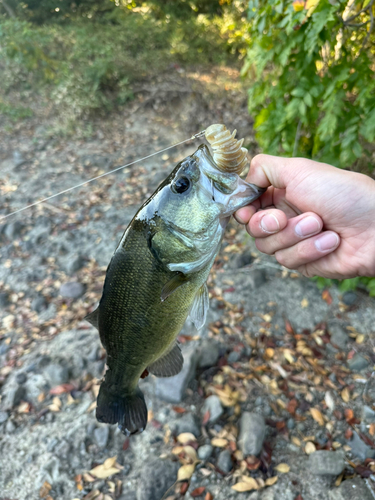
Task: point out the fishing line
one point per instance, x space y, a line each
196 136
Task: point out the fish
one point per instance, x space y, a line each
157 276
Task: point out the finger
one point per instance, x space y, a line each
267 222
243 215
308 250
298 228
267 170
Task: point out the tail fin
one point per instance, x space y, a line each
130 410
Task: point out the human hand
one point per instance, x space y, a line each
314 218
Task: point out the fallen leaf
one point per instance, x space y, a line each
327 297
345 394
198 491
309 448
184 487
360 338
185 472
242 486
44 490
283 468
106 469
61 389
186 437
304 303
372 429
296 441
317 416
206 417
330 402
178 409
271 480
219 442
208 496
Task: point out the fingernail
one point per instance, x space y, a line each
269 224
326 242
307 226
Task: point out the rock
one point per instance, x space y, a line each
173 389
13 230
224 461
4 299
257 278
368 414
351 489
291 423
326 462
252 433
233 357
358 363
48 313
56 374
15 396
209 353
21 378
339 335
156 479
349 298
241 260
3 417
214 406
4 348
73 264
205 451
187 423
39 304
101 436
359 448
72 290
10 427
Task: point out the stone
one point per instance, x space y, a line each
56 374
291 423
3 416
368 414
252 433
39 304
4 299
10 427
351 489
15 396
4 348
241 260
101 436
74 264
156 479
358 363
349 298
224 461
21 378
214 406
209 353
187 423
205 451
326 462
339 335
13 230
72 290
172 389
359 448
233 357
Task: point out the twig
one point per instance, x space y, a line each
369 32
296 140
368 7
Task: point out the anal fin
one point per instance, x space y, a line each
169 364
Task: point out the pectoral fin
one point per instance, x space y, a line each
198 311
171 286
169 364
93 318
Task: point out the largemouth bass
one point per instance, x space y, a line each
157 275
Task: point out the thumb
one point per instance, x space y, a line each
267 170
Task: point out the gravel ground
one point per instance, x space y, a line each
276 398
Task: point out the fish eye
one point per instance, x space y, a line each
181 185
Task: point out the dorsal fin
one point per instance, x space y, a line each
93 318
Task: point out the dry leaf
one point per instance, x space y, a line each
185 472
360 338
296 441
283 468
219 442
330 402
310 448
271 480
246 486
208 496
106 469
317 416
198 491
372 429
345 394
110 462
44 490
186 437
304 303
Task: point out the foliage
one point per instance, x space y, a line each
313 88
367 284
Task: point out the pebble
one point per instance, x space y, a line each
358 363
368 414
209 353
3 417
21 378
56 374
351 489
349 298
241 260
291 423
224 461
359 448
233 357
72 290
4 348
324 462
205 451
173 389
339 335
156 479
187 423
13 230
39 304
15 396
252 433
10 427
214 406
101 436
4 300
74 264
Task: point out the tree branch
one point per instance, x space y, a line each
8 8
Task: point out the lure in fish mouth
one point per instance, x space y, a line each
157 275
